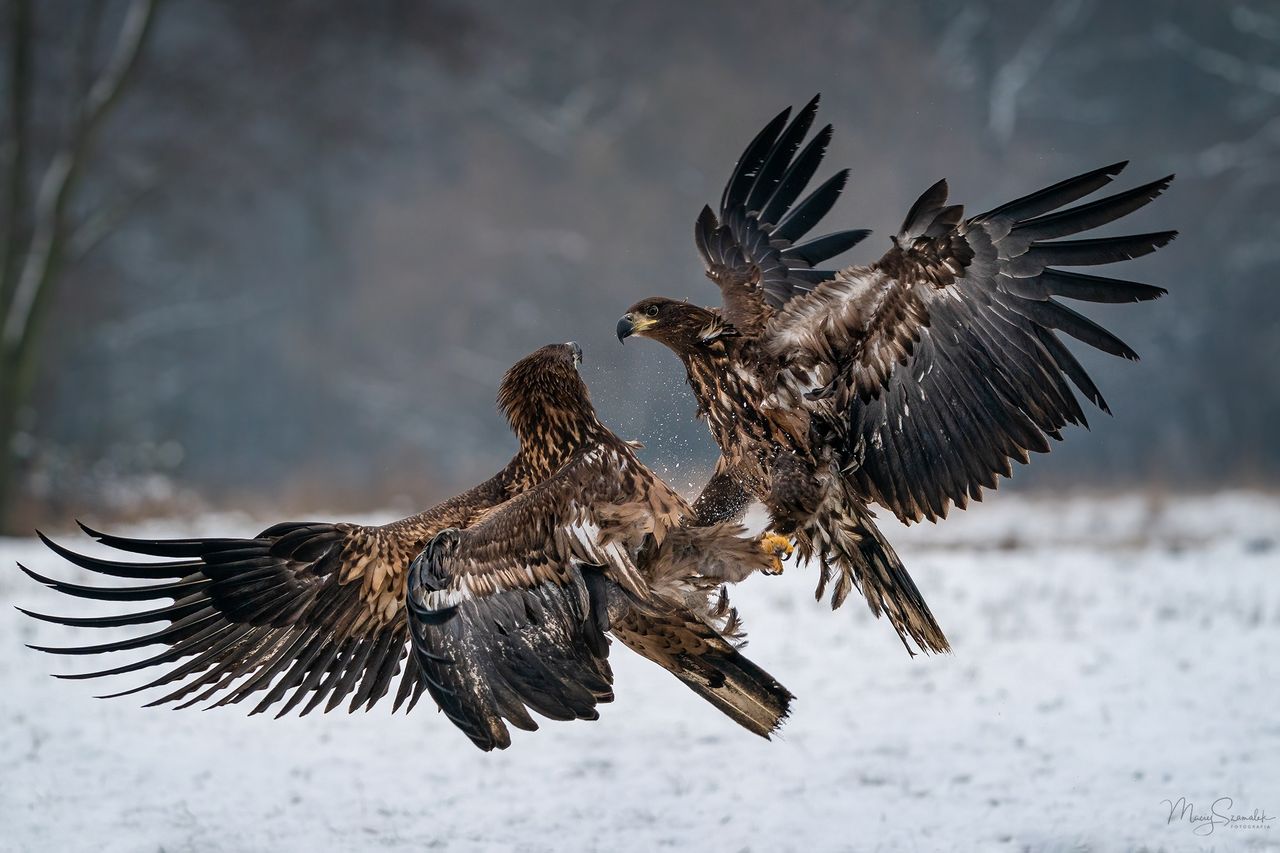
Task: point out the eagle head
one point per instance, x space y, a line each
681 326
545 388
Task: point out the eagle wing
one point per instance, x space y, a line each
941 362
750 249
510 614
302 611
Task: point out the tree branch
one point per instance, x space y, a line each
85 50
96 227
43 256
16 189
1014 75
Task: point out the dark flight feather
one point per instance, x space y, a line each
308 616
808 213
981 305
915 382
748 246
511 615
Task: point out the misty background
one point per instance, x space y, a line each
330 227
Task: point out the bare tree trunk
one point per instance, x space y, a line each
15 227
16 145
32 265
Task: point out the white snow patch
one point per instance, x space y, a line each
1109 654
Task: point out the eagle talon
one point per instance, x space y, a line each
778 548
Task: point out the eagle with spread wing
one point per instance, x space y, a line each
505 593
912 382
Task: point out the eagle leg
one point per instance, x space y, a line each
794 493
778 547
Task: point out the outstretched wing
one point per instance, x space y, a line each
300 612
750 250
510 613
941 361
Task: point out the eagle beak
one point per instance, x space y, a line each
576 352
630 325
625 328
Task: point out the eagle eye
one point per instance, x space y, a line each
652 310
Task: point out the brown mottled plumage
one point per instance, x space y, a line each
912 382
314 612
510 613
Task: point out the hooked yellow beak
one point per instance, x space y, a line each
630 325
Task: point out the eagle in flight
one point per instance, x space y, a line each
912 382
504 594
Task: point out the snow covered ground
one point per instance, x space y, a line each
1109 654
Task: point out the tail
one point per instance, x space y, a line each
844 538
744 692
708 664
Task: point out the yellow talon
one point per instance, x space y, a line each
778 548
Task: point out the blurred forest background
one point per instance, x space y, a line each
285 268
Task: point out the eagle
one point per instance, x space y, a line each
504 594
912 382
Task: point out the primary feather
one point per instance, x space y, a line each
912 382
504 592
